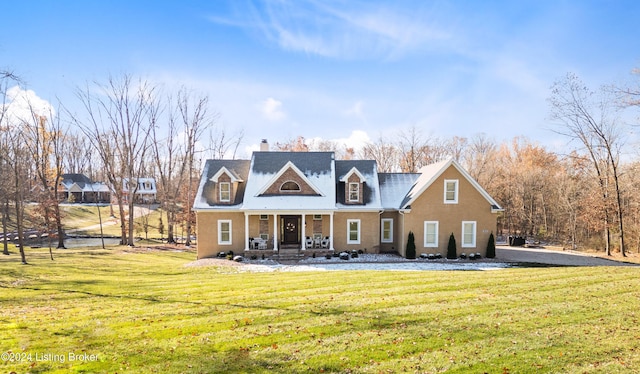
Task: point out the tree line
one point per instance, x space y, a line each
125 129
583 197
587 196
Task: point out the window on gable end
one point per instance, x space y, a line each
225 192
290 186
451 191
354 192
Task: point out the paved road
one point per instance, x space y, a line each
544 256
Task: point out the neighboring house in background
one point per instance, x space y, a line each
145 192
309 202
80 189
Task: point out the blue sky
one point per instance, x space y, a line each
333 69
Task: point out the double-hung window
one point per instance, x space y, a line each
431 234
225 192
224 231
450 191
468 234
387 230
353 231
354 192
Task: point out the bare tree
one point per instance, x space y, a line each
6 78
46 137
411 146
480 157
78 155
222 144
385 154
195 121
591 119
117 126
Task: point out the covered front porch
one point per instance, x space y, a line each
268 233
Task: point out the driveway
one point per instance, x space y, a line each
545 256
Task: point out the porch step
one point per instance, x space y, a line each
287 254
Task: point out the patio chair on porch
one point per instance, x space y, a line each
325 242
259 243
309 242
316 242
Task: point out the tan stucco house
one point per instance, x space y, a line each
306 202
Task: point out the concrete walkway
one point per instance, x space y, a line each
545 256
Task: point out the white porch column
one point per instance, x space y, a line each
304 237
331 231
246 231
275 232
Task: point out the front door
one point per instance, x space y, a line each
290 230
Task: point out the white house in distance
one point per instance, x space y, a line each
81 189
145 192
299 203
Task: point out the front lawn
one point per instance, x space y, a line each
139 311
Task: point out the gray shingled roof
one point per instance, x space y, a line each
394 188
368 169
310 163
238 167
79 179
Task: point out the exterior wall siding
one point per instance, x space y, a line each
207 232
369 231
430 206
393 246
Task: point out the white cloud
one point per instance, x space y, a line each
272 110
353 30
21 103
356 140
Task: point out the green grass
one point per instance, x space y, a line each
144 312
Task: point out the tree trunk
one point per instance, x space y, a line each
59 227
5 215
123 225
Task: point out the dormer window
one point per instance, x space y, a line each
354 192
451 191
225 192
290 186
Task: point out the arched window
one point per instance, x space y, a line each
290 186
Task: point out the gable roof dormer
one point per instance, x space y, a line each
288 176
351 172
223 170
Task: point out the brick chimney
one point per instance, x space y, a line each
264 146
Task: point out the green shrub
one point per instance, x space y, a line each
451 248
411 247
491 247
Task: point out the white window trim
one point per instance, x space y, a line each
228 190
357 191
390 238
455 191
475 234
349 241
427 244
298 190
220 222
